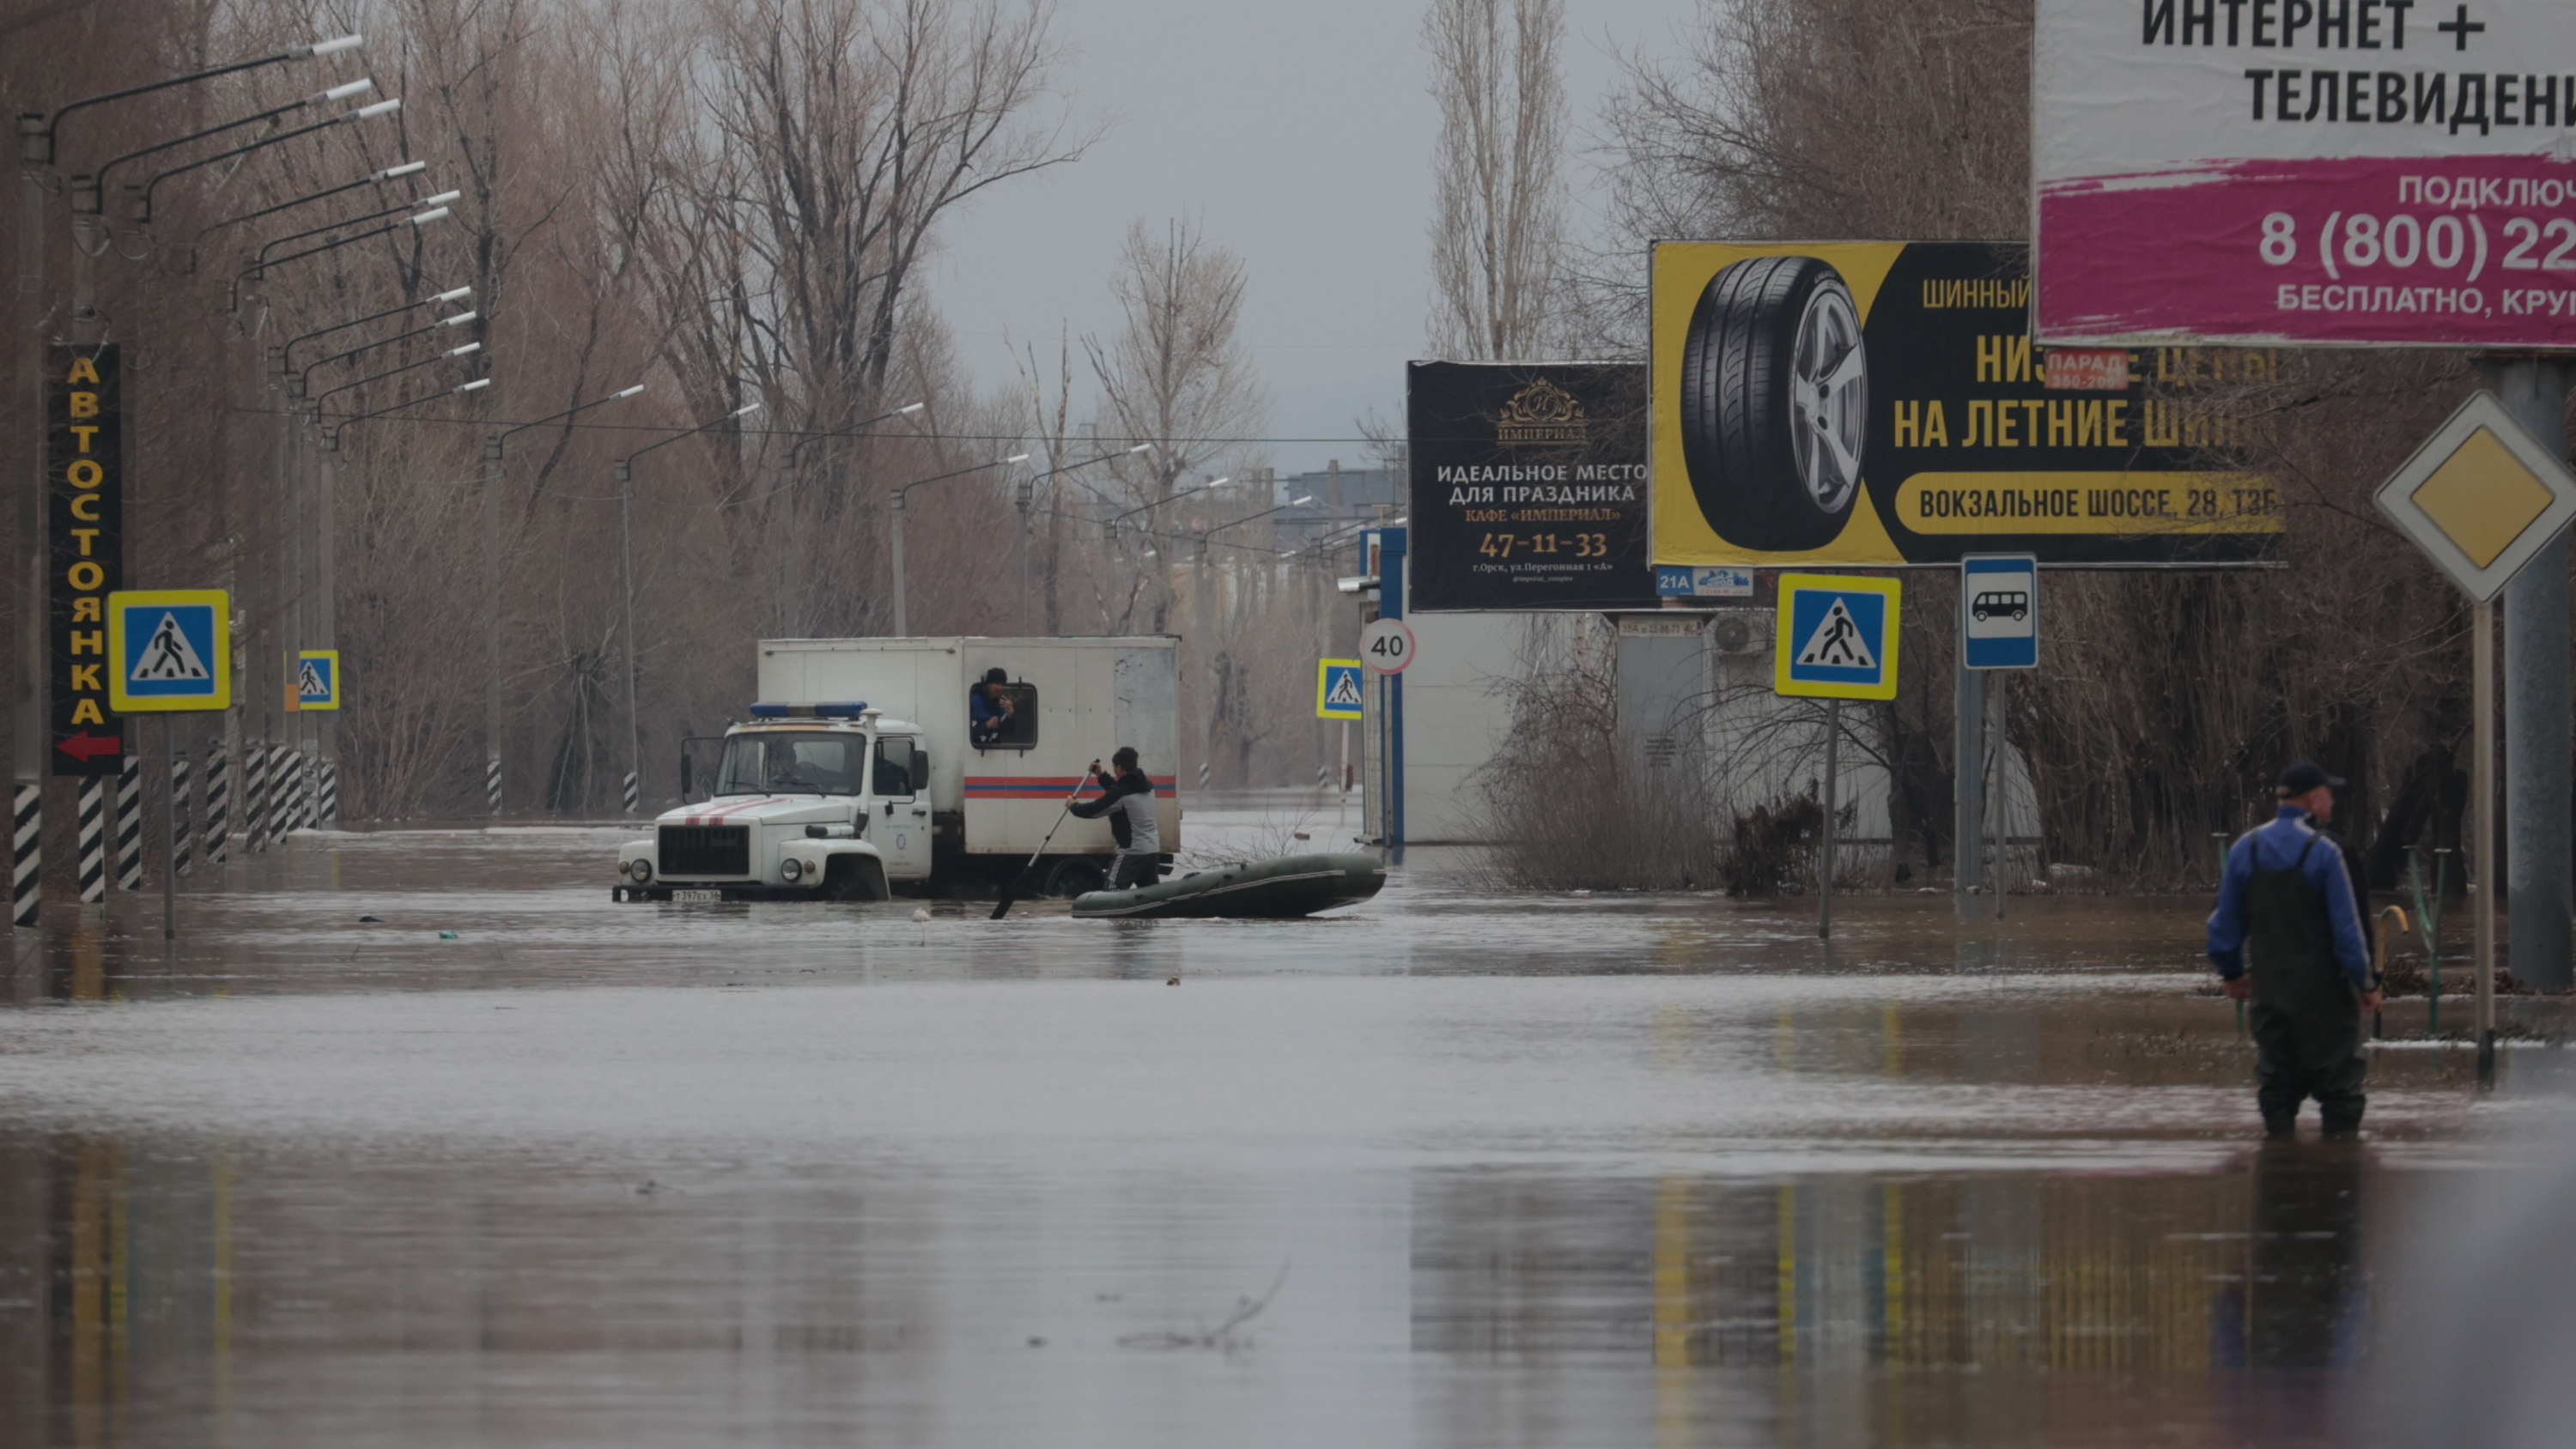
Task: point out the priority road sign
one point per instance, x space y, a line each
1337 689
317 679
1999 611
2480 498
169 649
1837 638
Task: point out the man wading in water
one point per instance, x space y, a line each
2288 899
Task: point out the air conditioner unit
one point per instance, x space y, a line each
1740 631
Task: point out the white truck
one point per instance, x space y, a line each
858 774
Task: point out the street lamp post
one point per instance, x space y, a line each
492 446
1027 499
634 783
38 140
897 497
792 556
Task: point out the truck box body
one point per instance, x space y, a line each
1091 695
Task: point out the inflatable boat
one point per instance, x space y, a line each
1293 885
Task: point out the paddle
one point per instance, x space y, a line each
1019 883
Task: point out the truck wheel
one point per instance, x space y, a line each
855 878
1775 403
1075 877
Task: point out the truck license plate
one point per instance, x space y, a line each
687 896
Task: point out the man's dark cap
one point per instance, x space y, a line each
2304 776
996 675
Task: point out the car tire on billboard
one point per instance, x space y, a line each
1774 406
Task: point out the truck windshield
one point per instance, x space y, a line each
780 763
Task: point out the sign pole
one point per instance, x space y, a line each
2536 706
169 839
2483 705
1968 798
1825 876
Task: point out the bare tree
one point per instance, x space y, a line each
1176 375
1498 233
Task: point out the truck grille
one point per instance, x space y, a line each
690 851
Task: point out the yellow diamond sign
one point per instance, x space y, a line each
2481 497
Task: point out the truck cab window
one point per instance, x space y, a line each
899 766
791 763
1002 716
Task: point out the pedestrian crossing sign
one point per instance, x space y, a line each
168 649
317 679
1837 637
1337 689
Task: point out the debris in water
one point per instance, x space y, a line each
1036 1342
921 913
1175 981
447 935
1223 1336
371 920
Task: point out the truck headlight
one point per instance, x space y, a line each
790 869
641 869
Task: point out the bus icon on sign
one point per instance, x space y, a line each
2000 604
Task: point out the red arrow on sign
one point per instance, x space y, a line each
86 747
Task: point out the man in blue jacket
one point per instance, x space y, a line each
2288 901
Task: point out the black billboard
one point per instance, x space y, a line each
1529 486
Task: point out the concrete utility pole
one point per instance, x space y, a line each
1968 790
2537 740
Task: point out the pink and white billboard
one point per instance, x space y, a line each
2305 171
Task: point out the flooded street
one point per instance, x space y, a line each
1445 1169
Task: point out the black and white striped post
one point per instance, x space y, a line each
218 823
630 792
284 804
27 856
129 823
330 794
492 782
93 841
178 812
254 796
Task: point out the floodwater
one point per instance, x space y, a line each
1446 1169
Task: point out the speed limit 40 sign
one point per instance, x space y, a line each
1386 646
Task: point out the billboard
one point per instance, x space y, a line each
1880 403
2305 171
1528 486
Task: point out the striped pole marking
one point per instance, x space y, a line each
27 857
129 823
93 840
218 823
285 771
492 782
179 811
331 794
630 792
255 796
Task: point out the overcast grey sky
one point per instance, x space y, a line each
1299 134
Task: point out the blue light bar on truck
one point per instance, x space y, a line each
767 710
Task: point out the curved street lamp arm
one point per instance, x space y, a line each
960 473
378 109
285 354
262 255
332 436
505 434
257 268
54 122
1159 502
743 411
458 320
801 443
1087 462
373 178
469 347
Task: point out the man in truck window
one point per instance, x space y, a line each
1128 801
989 708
